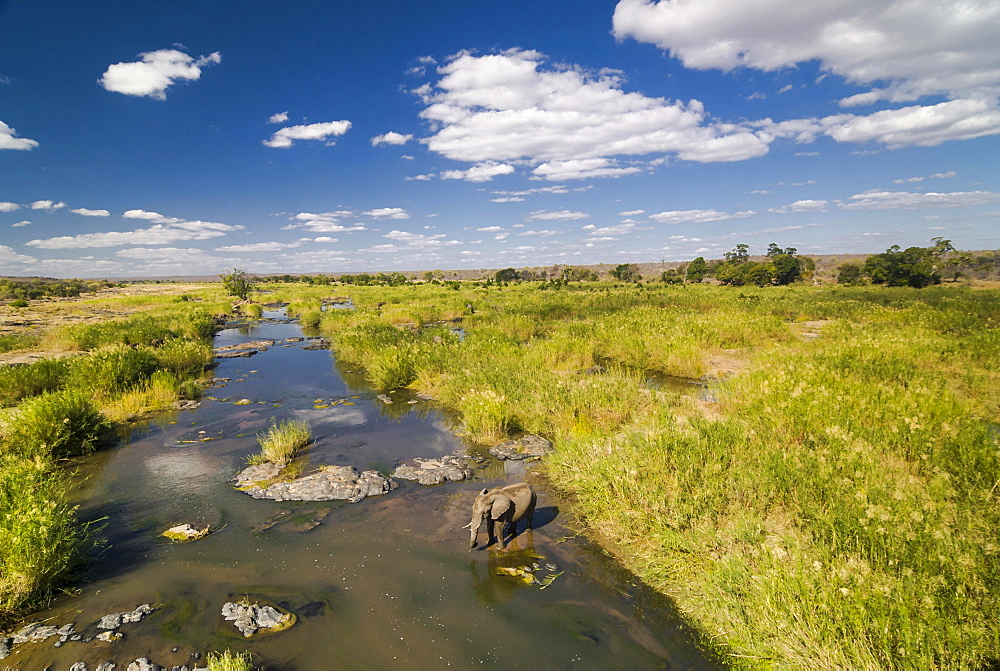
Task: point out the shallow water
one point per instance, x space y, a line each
387 581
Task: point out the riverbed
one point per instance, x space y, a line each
386 581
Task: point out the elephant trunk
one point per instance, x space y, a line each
474 532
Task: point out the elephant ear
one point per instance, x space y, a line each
501 504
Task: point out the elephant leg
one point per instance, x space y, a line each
530 515
500 531
491 532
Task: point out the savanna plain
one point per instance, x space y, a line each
829 498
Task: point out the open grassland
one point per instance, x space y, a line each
137 354
835 505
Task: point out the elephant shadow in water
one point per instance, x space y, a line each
496 585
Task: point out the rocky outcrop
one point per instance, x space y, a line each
116 620
330 483
244 349
317 343
250 618
36 632
528 447
433 471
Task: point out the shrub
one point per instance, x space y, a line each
254 310
392 367
184 358
310 319
57 424
112 370
280 442
19 303
13 341
18 382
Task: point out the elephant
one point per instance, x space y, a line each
500 507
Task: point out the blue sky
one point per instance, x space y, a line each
144 139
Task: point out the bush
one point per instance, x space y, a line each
229 661
280 443
310 319
19 303
184 358
254 310
55 424
13 341
113 370
19 382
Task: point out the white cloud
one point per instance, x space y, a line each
923 126
21 223
420 178
918 48
327 222
507 199
489 229
904 200
631 213
508 107
697 216
542 234
280 117
604 233
259 247
420 240
7 206
155 72
483 172
559 215
285 137
801 206
555 189
84 212
8 255
387 213
49 205
391 138
166 230
937 175
8 141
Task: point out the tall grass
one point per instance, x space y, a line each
53 425
281 442
14 341
39 537
229 661
19 382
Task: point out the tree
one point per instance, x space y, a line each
911 267
507 275
239 283
849 273
626 272
671 276
740 254
697 270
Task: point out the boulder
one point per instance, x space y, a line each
260 473
250 618
116 620
433 471
330 483
528 447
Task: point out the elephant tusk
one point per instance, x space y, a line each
468 526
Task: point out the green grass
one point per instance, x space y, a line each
13 341
280 442
229 661
836 508
20 382
55 424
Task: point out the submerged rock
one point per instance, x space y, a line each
317 343
528 447
236 354
250 618
433 471
331 483
185 532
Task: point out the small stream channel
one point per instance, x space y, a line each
385 582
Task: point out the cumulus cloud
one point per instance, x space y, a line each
918 48
420 178
7 206
84 212
49 205
631 213
166 230
286 137
419 239
8 141
697 216
155 73
326 222
603 234
391 138
566 122
280 117
915 49
9 256
507 199
21 223
387 213
559 215
904 200
484 172
801 206
259 247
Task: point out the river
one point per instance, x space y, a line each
385 582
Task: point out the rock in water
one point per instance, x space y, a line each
433 471
331 483
250 618
528 447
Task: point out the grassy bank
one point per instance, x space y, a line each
56 409
835 507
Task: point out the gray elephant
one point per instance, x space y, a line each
500 507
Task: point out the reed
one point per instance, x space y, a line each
281 442
229 661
